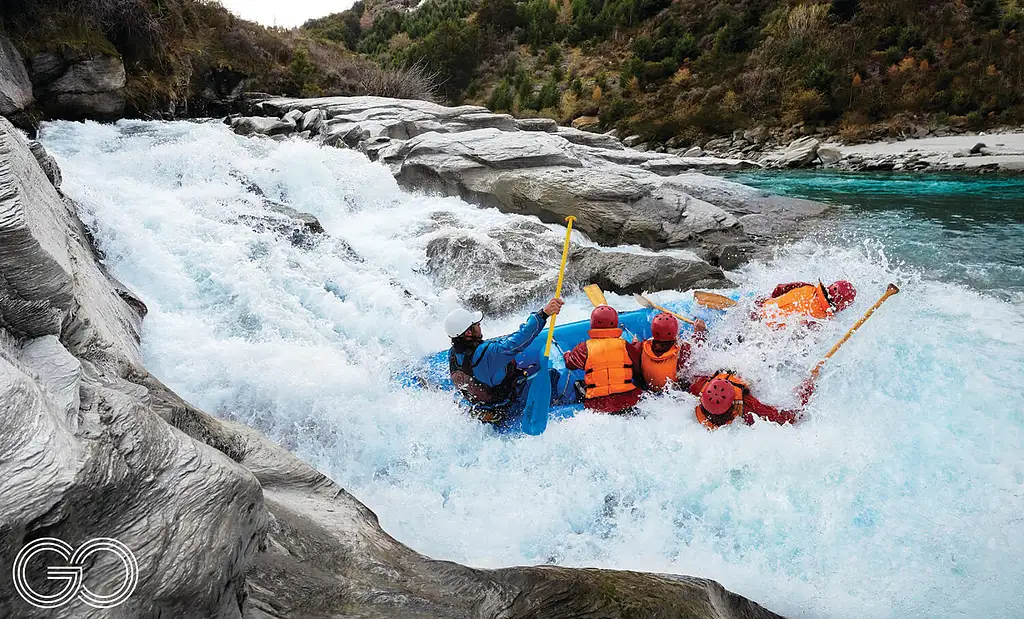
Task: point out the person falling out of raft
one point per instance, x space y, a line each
485 371
663 357
725 397
803 299
722 398
608 363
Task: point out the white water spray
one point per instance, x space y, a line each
901 496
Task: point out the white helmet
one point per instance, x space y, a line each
459 319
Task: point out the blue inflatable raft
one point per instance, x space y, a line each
433 373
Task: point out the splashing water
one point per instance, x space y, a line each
901 496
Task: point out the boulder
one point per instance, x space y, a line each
628 272
829 155
79 87
15 85
47 163
587 138
717 145
537 124
694 151
512 267
631 141
757 135
312 121
248 125
800 153
586 123
293 117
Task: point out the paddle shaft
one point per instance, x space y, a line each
558 287
891 290
679 316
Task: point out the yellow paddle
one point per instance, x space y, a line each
538 394
595 294
891 290
558 286
712 300
645 302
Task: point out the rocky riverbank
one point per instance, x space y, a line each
223 522
923 149
535 167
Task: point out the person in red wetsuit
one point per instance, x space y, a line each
609 363
725 397
800 298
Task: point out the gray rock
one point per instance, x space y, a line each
79 87
977 148
537 124
312 121
47 163
588 138
800 153
620 195
293 117
487 120
248 125
15 86
718 145
632 140
84 453
628 273
828 155
694 151
757 135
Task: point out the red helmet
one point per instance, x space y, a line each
665 328
717 396
604 317
842 293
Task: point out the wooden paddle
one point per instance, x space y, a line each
712 300
538 395
645 302
595 294
891 290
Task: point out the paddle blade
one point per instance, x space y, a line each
712 300
643 301
538 400
595 294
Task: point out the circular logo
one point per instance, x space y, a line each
71 572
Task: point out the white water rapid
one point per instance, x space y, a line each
901 496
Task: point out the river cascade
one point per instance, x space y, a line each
900 496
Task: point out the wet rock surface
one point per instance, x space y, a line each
620 195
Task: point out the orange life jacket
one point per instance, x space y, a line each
806 300
710 421
609 369
659 370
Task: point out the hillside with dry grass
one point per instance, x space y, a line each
177 52
691 68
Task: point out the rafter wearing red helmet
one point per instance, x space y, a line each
663 356
609 362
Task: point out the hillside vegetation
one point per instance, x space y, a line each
176 51
692 68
